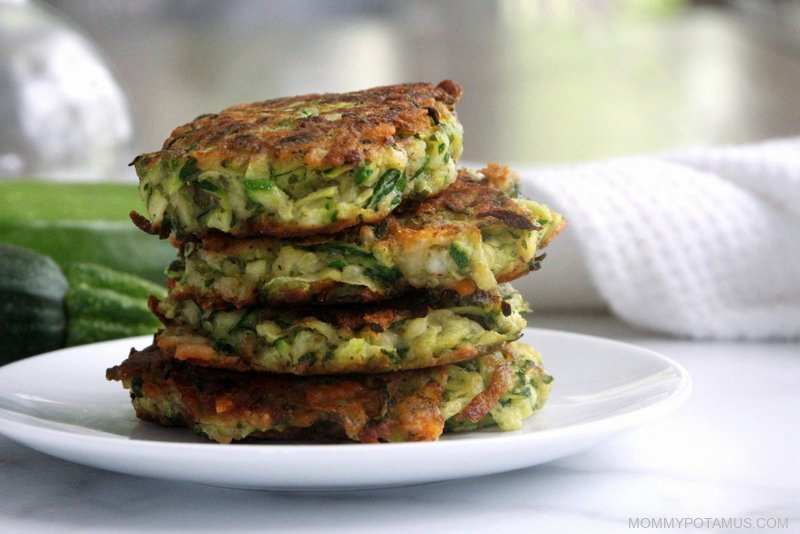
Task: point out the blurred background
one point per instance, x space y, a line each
547 81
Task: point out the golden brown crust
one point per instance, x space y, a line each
323 292
465 199
484 201
264 225
401 406
187 345
376 316
367 338
474 202
348 126
501 381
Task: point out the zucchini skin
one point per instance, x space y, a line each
32 314
102 304
66 222
44 308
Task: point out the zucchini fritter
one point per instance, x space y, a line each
474 234
338 278
302 165
503 387
418 330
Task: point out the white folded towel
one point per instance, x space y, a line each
702 243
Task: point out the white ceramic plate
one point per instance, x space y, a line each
60 403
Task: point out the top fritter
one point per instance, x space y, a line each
303 165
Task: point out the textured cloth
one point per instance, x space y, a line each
702 243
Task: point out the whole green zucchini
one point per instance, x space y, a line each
43 308
85 222
32 314
105 304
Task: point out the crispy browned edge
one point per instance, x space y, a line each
485 202
188 345
377 116
399 406
184 343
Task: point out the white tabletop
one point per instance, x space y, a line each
728 457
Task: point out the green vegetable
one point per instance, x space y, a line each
309 112
260 184
32 316
362 174
105 304
41 309
189 171
81 222
335 248
340 253
390 182
382 274
338 264
100 277
209 186
259 190
422 167
459 255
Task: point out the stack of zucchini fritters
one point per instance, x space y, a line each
338 277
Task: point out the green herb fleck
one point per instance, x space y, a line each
282 322
340 248
382 274
338 264
205 185
259 184
391 181
136 388
401 187
363 173
523 391
422 168
536 263
469 365
459 255
189 170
